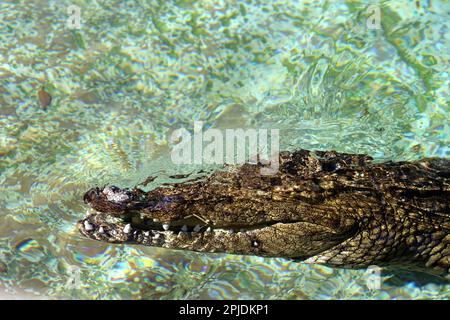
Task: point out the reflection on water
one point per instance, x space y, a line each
136 70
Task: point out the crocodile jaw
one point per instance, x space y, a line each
152 219
255 241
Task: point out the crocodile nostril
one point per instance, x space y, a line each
114 188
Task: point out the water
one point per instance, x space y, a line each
136 70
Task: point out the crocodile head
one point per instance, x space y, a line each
322 207
238 211
170 220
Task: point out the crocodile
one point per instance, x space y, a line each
338 209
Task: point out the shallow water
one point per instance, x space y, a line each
136 70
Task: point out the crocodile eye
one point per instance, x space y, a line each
329 166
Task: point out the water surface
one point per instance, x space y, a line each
136 70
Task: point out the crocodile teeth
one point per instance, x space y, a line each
155 220
127 228
146 233
208 229
156 236
100 230
197 228
165 226
88 226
